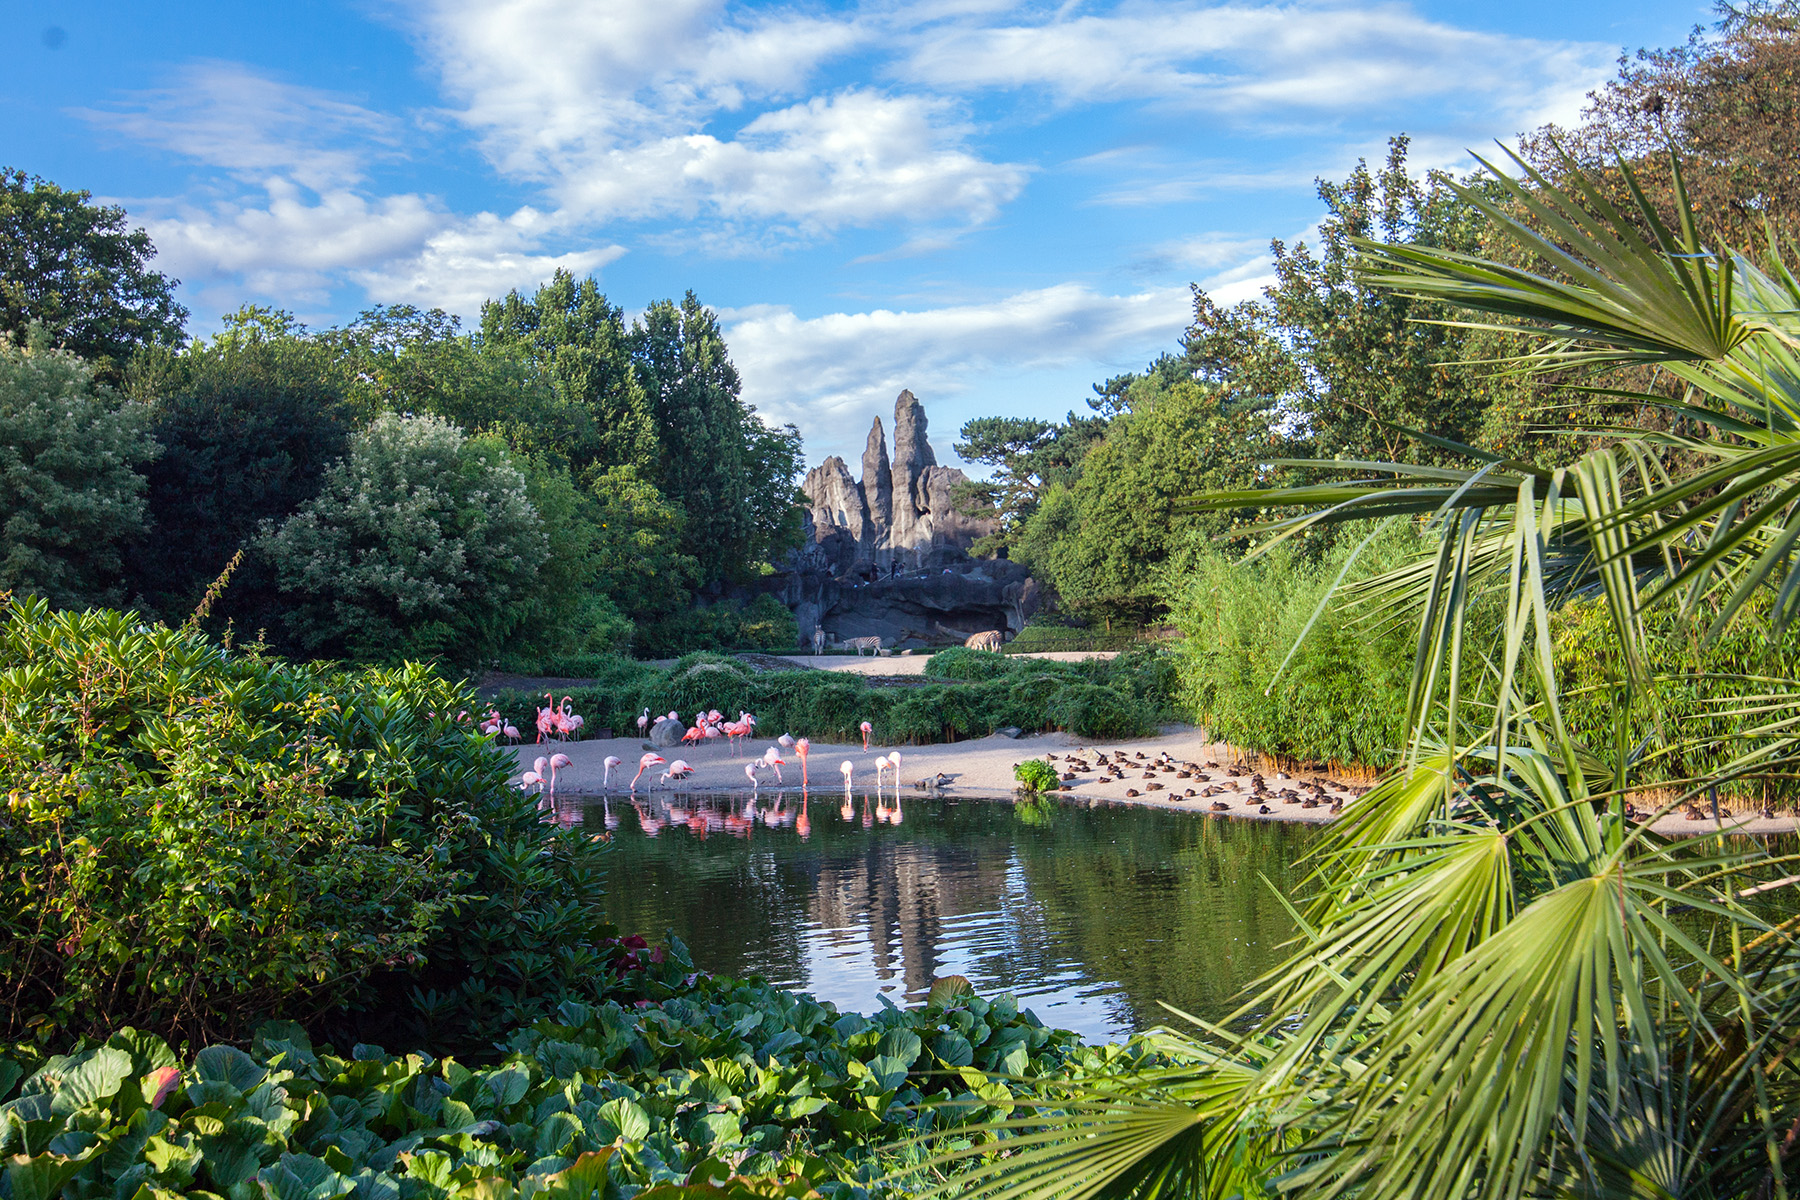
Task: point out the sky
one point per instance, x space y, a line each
993 204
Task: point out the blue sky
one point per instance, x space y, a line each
994 204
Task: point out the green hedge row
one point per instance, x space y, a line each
965 693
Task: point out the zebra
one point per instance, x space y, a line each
987 640
864 643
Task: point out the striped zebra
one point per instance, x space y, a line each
871 644
987 640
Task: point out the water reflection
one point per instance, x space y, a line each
1090 915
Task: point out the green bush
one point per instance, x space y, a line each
763 624
208 838
960 662
1089 710
1036 775
1341 699
707 1078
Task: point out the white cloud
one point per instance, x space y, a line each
226 115
616 109
1256 60
812 370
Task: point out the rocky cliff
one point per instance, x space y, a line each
899 515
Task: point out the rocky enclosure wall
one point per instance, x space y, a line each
888 555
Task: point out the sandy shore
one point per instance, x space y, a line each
983 768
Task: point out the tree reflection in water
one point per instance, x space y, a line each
1091 916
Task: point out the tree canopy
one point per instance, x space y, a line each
76 269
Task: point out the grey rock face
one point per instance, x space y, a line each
901 513
666 733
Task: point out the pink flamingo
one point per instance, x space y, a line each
609 762
644 764
847 768
557 762
750 773
881 764
510 732
786 741
693 735
678 769
547 718
643 720
867 729
801 746
572 721
894 762
772 758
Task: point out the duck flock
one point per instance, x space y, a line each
1223 786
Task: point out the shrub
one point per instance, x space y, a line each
1088 710
1036 775
69 487
213 838
416 546
763 624
960 662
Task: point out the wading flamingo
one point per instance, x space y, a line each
867 729
894 762
772 758
801 746
644 764
847 768
750 773
557 763
678 769
609 762
881 764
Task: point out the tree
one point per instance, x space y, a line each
569 608
578 341
731 475
1350 368
70 492
1029 457
1728 101
638 546
75 268
417 546
248 424
1102 541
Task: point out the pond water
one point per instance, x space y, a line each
1091 916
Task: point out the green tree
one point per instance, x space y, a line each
637 546
1351 368
1029 457
569 333
70 491
248 423
1102 541
731 474
568 609
418 545
75 268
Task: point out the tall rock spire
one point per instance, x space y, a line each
911 526
878 493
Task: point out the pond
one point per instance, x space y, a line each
1091 916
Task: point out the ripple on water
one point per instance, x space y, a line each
1090 916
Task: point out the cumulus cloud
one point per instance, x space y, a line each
811 370
618 110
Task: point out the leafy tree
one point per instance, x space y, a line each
578 341
418 545
70 491
1728 100
731 475
1350 367
248 424
75 268
637 546
568 609
1101 542
1029 456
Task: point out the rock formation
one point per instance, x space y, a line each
900 515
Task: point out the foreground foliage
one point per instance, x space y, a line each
715 1078
200 838
1507 986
